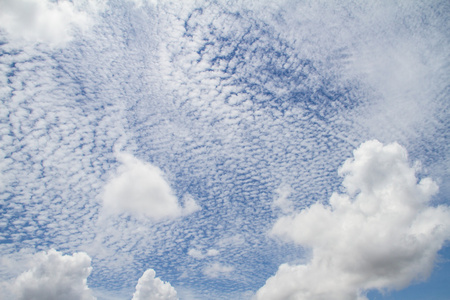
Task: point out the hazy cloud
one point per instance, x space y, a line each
216 269
151 288
380 234
41 20
196 253
55 276
282 201
140 189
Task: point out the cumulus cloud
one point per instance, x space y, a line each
41 20
140 189
216 269
55 276
382 233
151 288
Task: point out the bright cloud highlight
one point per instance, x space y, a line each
150 287
381 234
140 189
55 276
41 21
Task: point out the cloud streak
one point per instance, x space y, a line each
382 233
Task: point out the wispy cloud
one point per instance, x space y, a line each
223 103
217 270
199 254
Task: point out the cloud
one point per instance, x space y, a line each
216 270
140 189
140 3
151 288
147 79
195 253
282 200
55 276
381 234
41 21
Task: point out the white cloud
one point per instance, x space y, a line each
140 189
282 200
55 276
41 20
216 270
381 234
140 3
195 253
151 288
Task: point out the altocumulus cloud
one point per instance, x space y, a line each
140 189
382 233
150 287
55 276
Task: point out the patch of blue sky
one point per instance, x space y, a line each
225 103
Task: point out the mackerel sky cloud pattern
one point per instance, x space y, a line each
224 149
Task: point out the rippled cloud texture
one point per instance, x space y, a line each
203 149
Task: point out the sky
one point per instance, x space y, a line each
264 150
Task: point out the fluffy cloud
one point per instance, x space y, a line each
55 276
195 253
151 288
140 189
41 20
215 270
282 200
381 234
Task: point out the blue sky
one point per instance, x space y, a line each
224 149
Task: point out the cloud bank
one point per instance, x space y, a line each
140 189
41 21
55 276
151 288
382 233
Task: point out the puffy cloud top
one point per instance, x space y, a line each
381 234
151 288
54 276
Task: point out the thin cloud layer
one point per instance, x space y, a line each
282 200
150 287
196 253
382 233
41 21
55 276
216 270
140 189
